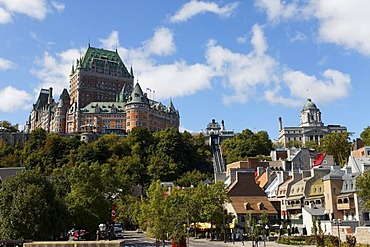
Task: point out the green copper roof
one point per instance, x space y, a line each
101 56
309 105
137 96
104 107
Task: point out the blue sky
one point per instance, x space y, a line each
245 62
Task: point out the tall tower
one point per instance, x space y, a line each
98 76
310 115
137 109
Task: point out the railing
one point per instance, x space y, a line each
345 206
294 206
218 163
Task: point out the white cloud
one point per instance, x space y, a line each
12 99
55 69
112 42
58 6
6 64
242 72
194 7
333 81
36 9
341 22
33 8
344 23
302 86
277 10
174 79
244 75
5 16
162 42
298 36
241 40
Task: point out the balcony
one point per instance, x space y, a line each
293 206
345 206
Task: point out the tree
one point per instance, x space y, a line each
157 213
312 145
294 144
92 190
29 208
338 145
363 187
365 136
191 178
246 144
8 126
213 200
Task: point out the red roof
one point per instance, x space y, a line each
319 159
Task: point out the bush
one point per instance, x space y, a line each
351 240
297 240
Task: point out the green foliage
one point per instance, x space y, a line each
86 176
157 213
163 215
8 126
246 144
91 196
191 178
29 208
294 144
297 240
363 187
312 145
351 240
365 136
338 145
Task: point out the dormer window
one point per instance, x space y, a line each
247 206
261 206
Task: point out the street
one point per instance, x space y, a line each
133 239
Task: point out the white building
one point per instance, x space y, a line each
311 127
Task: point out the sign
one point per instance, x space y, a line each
113 213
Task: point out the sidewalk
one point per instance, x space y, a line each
240 243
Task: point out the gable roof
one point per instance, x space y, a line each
319 159
245 185
255 205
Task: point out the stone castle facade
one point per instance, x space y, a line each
102 98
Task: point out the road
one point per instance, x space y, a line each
133 239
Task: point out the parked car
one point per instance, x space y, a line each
80 235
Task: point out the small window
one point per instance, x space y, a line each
242 219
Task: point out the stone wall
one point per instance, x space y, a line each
362 235
103 243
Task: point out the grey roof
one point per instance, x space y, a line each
10 171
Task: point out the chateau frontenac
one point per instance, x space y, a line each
102 98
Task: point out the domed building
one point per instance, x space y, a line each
311 127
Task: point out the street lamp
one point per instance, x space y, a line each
337 223
267 232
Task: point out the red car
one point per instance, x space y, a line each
80 235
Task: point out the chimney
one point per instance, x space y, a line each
50 98
280 124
